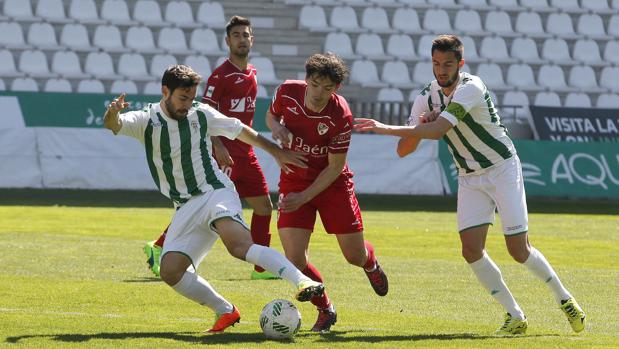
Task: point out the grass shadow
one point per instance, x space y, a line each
144 279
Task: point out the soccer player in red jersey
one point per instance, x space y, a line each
232 89
309 116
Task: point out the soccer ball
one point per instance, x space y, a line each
280 319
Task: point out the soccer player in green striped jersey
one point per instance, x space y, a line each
457 108
176 136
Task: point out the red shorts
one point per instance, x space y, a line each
247 176
337 206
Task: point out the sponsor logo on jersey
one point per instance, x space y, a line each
238 80
322 128
195 125
209 91
293 110
237 105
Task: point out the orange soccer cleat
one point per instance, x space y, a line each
225 320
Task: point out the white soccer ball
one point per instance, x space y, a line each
280 319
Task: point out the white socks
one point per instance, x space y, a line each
539 266
275 263
490 277
199 290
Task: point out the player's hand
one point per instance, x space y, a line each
292 201
429 116
118 104
285 157
282 135
222 155
370 125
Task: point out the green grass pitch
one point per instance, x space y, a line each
74 276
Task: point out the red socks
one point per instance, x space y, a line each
371 262
311 272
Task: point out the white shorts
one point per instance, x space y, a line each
499 187
191 231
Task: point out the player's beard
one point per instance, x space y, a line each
175 114
241 53
449 82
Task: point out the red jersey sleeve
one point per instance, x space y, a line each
276 102
214 90
340 139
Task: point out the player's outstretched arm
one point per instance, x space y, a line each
430 130
110 119
280 133
284 157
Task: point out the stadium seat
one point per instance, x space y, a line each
534 4
212 14
108 38
90 86
51 9
364 72
262 91
442 3
159 63
147 12
406 20
424 46
84 11
609 78
133 66
566 5
591 24
608 100
613 26
75 37
172 40
266 72
153 88
577 100
2 85
492 75
57 85
344 18
515 105
505 4
396 73
470 49
556 50
199 64
371 46
67 64
552 77
611 51
116 12
475 4
437 21
42 35
18 9
12 36
547 99
340 44
390 94
422 73
124 86
141 39
204 41
498 22
375 19
587 51
530 23
469 22
560 24
34 63
494 48
7 65
179 13
100 65
313 17
414 3
583 78
595 5
25 85
525 49
401 46
614 4
521 76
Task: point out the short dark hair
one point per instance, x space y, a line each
235 21
326 65
448 43
180 76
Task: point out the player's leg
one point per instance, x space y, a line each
475 214
260 229
511 201
152 249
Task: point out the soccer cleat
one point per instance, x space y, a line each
153 252
225 320
512 326
378 280
326 318
263 275
574 314
308 289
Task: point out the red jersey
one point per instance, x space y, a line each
315 133
233 91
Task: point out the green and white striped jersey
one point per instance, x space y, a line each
178 152
478 140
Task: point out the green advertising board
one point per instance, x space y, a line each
83 109
559 169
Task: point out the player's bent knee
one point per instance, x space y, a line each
472 254
520 254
